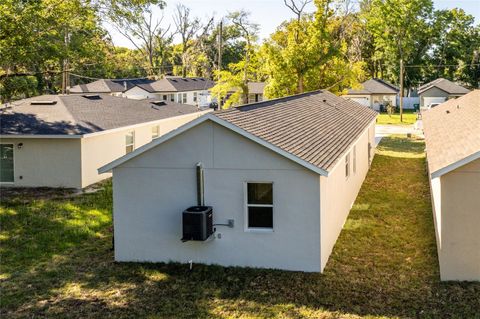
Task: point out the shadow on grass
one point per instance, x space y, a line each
384 264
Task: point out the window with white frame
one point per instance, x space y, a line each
179 98
155 131
195 96
6 163
347 165
355 159
129 142
259 205
172 97
184 100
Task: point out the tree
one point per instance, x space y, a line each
145 33
310 52
187 27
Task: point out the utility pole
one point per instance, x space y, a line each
220 40
401 90
65 76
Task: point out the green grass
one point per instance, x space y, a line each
409 117
56 262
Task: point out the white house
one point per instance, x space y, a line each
193 91
255 92
452 137
439 91
61 141
374 93
111 86
284 173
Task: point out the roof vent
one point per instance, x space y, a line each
194 80
186 80
173 80
156 104
92 96
448 111
202 79
44 102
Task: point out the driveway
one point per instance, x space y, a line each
386 130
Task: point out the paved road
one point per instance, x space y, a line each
386 130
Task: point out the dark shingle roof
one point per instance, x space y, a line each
108 85
452 130
77 114
444 85
317 127
178 84
375 86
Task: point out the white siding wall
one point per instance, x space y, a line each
46 162
152 190
338 193
203 96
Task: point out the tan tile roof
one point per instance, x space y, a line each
317 127
452 131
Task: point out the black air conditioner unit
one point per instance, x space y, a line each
197 223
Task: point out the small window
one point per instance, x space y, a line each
165 97
184 101
179 98
347 165
172 97
155 131
194 96
355 159
6 163
259 205
129 142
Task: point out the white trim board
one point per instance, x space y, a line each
226 124
454 165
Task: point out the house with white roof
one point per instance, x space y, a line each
267 184
192 90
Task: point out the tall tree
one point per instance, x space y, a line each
187 27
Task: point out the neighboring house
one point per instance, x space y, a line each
439 91
452 137
285 172
255 91
113 87
193 91
374 94
61 141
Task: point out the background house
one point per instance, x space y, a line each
255 91
452 136
438 91
61 141
193 91
374 93
286 171
113 87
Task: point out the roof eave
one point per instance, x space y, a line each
453 166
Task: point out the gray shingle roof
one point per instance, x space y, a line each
108 85
77 115
178 84
317 127
444 85
452 130
375 86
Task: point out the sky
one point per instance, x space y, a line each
268 14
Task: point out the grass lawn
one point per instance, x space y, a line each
409 117
56 261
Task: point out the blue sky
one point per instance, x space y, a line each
268 13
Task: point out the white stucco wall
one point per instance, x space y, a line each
46 162
338 193
152 190
101 149
458 239
203 96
